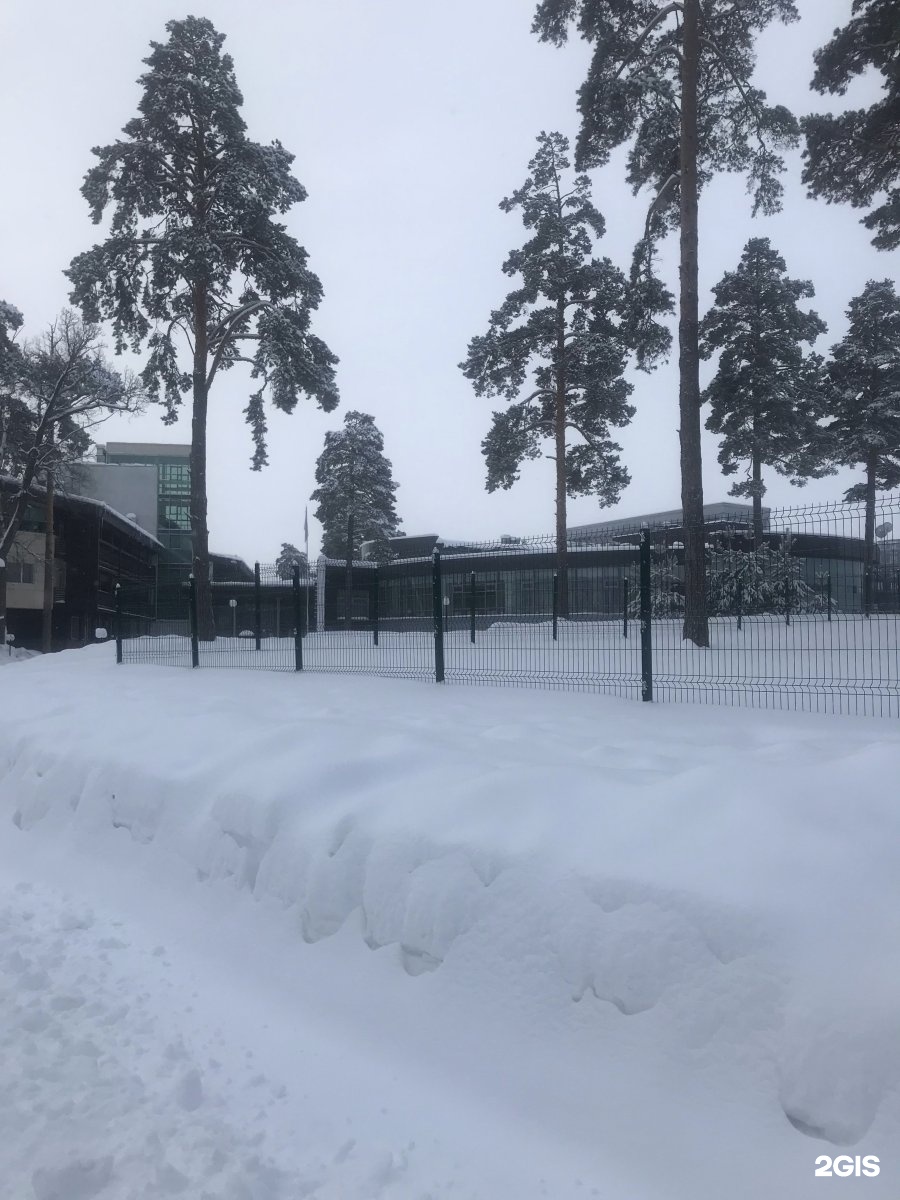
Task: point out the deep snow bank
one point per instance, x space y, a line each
659 907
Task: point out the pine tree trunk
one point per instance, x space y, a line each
199 530
348 579
757 501
696 625
562 567
869 552
49 556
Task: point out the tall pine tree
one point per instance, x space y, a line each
766 395
674 79
557 347
355 495
854 157
195 257
864 370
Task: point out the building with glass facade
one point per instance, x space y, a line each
173 490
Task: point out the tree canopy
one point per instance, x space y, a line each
767 396
194 246
853 157
289 557
557 348
195 259
632 94
673 79
356 490
864 401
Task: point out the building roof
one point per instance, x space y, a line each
156 449
722 509
8 484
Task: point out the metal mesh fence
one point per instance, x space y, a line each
154 625
804 612
803 617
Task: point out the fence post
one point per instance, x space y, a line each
437 605
897 576
192 601
375 610
829 595
555 605
787 599
625 607
118 622
472 608
739 602
646 618
867 590
257 606
298 618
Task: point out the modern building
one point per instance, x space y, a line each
512 577
151 481
141 539
172 463
96 547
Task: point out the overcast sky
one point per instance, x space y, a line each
410 120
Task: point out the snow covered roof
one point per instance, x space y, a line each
672 516
8 483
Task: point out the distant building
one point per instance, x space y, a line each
172 462
152 481
725 512
124 518
96 547
512 577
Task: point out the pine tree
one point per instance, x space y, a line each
557 347
355 495
55 389
854 157
195 256
674 80
864 370
289 557
766 395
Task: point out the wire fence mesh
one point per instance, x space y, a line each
804 613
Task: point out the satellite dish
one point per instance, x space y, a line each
883 530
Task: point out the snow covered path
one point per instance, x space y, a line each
116 1085
141 1070
269 937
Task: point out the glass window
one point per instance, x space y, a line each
176 516
19 572
489 596
174 479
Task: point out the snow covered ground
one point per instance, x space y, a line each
10 654
268 936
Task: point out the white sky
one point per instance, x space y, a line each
410 120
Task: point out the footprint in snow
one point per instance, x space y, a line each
79 1180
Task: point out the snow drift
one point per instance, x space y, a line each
664 941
